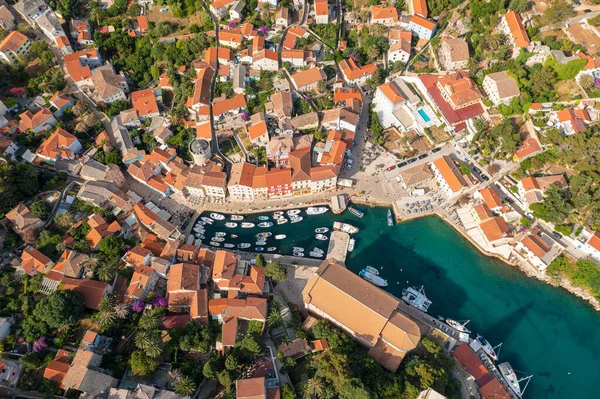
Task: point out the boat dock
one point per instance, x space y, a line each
338 246
339 203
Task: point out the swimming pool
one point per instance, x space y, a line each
424 115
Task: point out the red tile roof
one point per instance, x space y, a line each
515 24
465 356
143 102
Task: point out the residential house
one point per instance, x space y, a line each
49 24
496 231
14 48
7 20
230 39
538 249
109 86
92 170
490 197
321 12
142 282
282 17
500 87
422 27
592 245
100 228
323 178
235 11
400 51
239 79
34 262
60 145
22 219
278 183
240 181
92 291
308 79
354 74
59 103
512 25
387 100
159 226
199 103
255 388
144 102
530 146
200 184
234 275
70 264
531 189
267 60
226 108
385 15
80 30
232 312
454 53
220 7
295 57
418 7
459 90
570 121
79 66
259 134
368 314
448 176
417 175
38 122
185 293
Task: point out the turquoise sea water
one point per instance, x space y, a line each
545 331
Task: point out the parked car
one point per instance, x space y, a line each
423 156
477 170
411 160
390 168
587 11
401 164
557 235
484 177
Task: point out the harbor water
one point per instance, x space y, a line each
545 331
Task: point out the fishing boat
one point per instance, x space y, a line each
218 239
229 245
351 244
265 234
416 297
265 224
296 219
231 225
511 378
298 249
217 216
247 225
282 221
259 249
215 244
316 210
293 212
263 217
220 234
345 227
356 212
321 237
271 249
278 214
390 219
321 230
237 217
487 348
244 245
207 220
457 325
315 254
280 236
372 278
234 236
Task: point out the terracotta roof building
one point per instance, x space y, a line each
513 26
385 15
364 311
41 120
355 74
91 290
14 48
60 145
308 79
34 262
459 90
500 87
454 53
185 293
469 361
144 103
449 177
531 146
22 219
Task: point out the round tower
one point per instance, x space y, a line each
200 150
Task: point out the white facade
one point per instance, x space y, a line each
323 185
241 193
398 55
421 31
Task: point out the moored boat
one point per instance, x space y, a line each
316 210
263 217
218 239
416 297
229 245
321 237
247 225
318 250
278 214
265 234
199 229
459 326
511 378
217 216
237 217
271 249
299 254
390 219
487 347
296 219
200 223
231 225
260 243
321 230
315 254
259 249
345 227
215 244
298 249
371 269
220 234
199 236
293 212
207 220
351 244
280 236
282 221
244 245
265 224
372 278
356 212
234 236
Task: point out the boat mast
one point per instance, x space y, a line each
497 349
528 378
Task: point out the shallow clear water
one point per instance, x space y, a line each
545 331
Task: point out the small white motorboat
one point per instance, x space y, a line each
351 245
265 234
298 249
199 229
278 214
299 254
234 236
293 212
316 210
237 217
218 239
244 245
220 234
321 237
280 236
260 243
321 230
271 249
229 245
199 236
296 219
315 254
282 221
318 250
215 244
217 216
265 224
207 220
231 225
247 225
200 223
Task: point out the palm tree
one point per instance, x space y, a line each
106 304
175 375
314 387
91 264
149 342
106 272
185 386
121 310
150 320
106 318
274 319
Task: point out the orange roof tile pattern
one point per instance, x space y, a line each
384 12
515 24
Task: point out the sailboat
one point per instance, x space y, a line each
487 347
511 378
458 325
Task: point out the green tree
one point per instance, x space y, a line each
231 363
185 386
142 364
586 81
41 209
558 266
287 392
60 308
518 5
111 248
275 271
557 11
251 344
210 369
260 260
